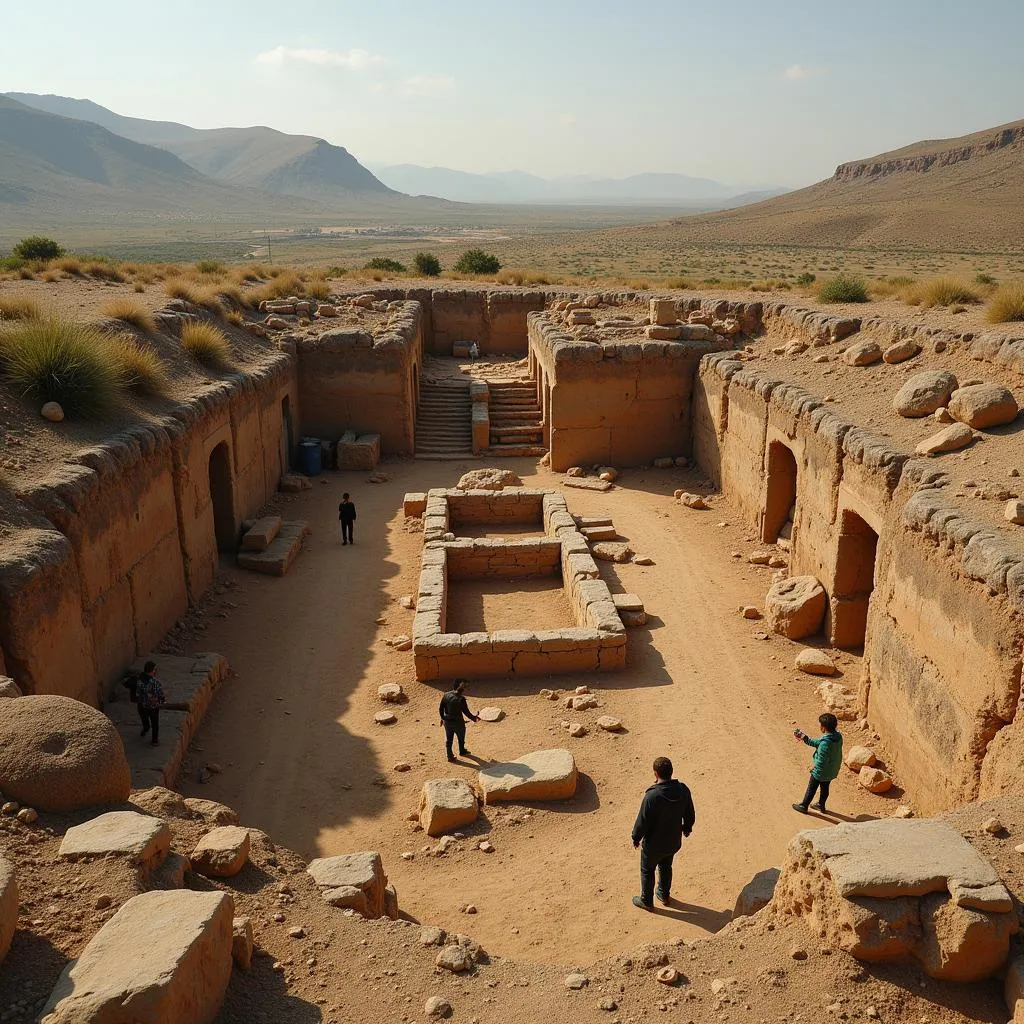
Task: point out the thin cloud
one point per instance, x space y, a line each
797 72
425 85
353 60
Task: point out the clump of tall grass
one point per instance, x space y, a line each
210 267
843 288
130 312
1007 305
70 265
56 360
18 307
943 291
206 344
140 368
102 271
179 288
316 288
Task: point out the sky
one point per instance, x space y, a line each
741 91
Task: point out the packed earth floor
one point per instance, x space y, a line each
294 748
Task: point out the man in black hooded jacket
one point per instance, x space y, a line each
666 815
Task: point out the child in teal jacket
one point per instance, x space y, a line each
828 758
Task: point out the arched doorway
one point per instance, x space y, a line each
222 497
780 497
854 580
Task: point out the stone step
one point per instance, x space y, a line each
444 456
516 451
283 550
599 532
530 415
517 428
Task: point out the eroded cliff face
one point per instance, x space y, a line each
922 162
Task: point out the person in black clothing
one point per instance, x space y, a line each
454 711
347 515
666 815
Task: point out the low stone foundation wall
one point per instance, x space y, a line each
596 644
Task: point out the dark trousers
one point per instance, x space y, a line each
648 865
451 730
346 532
812 785
150 720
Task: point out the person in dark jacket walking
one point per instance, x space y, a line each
454 711
666 815
149 695
828 759
347 516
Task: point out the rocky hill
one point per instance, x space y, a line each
964 193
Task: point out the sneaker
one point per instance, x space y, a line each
451 757
818 807
664 898
802 808
463 753
638 902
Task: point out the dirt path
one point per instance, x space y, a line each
303 760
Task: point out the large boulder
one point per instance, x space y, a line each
140 839
163 958
355 880
795 607
488 480
58 754
983 405
222 852
757 893
8 906
863 353
9 688
446 805
925 392
542 775
900 889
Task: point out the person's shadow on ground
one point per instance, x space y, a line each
703 917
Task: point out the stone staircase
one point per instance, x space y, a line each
516 419
444 421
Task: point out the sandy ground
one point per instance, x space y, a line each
302 758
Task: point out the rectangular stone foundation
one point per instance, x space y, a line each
597 641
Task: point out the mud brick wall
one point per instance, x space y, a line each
350 379
513 505
122 535
943 626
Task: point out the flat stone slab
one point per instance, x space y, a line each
612 551
8 905
586 483
894 857
189 685
163 958
490 714
541 775
277 559
628 602
222 852
446 805
260 535
140 838
360 871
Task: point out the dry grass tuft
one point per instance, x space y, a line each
179 288
1007 305
18 307
130 312
140 368
54 360
70 265
942 291
206 344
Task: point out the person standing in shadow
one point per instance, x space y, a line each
666 815
347 516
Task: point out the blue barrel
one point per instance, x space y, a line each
309 457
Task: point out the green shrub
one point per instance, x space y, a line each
427 264
206 344
476 261
984 279
1007 305
36 247
53 360
806 278
843 288
384 263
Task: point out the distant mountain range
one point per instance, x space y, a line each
522 187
